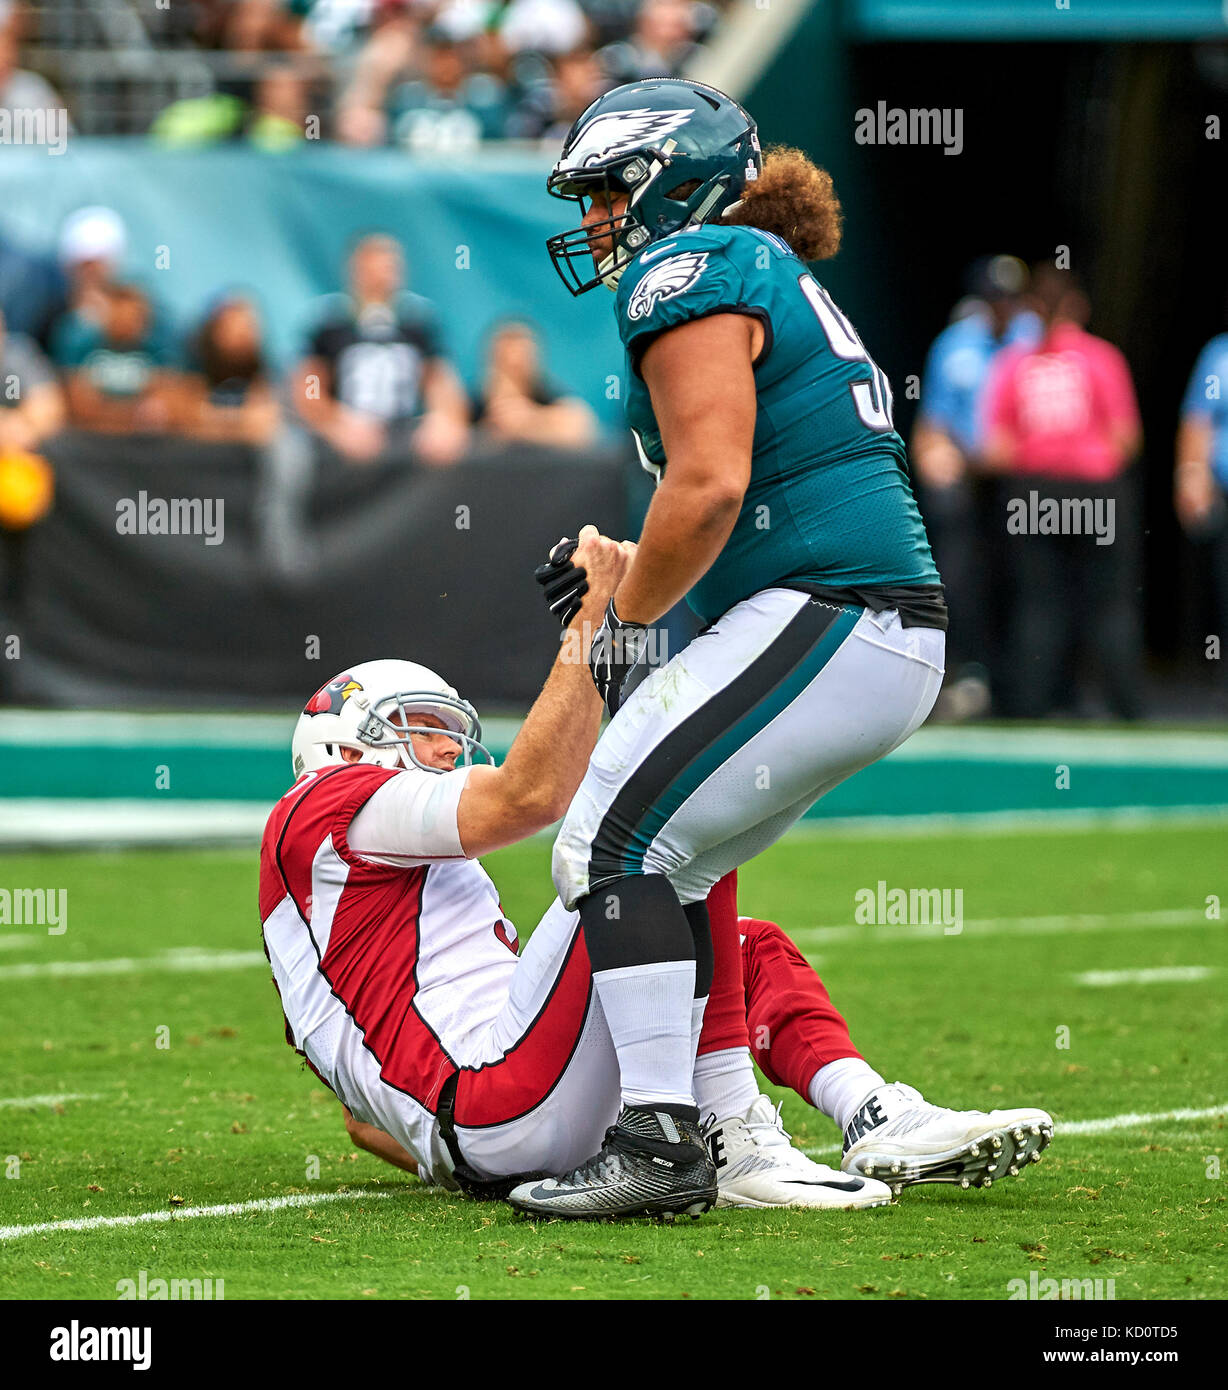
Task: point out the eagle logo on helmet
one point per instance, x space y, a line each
673 276
329 698
614 131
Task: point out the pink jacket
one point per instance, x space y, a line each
1060 402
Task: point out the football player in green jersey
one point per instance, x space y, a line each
784 513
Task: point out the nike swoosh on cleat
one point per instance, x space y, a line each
853 1184
542 1194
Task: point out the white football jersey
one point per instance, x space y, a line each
369 950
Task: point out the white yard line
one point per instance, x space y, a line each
98 1223
1063 1128
1157 975
1001 926
19 1102
189 959
1130 1121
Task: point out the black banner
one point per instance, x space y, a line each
176 572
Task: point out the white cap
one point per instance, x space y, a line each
92 234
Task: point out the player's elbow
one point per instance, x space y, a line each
716 508
355 1128
710 496
537 808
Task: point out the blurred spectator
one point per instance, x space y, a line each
271 26
550 108
279 108
92 245
119 375
226 393
960 502
659 45
1062 419
33 290
391 48
31 403
450 106
275 120
199 120
1201 478
516 402
333 26
374 368
542 26
21 90
31 410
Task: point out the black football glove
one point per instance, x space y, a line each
563 582
617 649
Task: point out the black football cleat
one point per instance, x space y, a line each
654 1162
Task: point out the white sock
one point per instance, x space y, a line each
725 1083
840 1087
648 1009
697 1025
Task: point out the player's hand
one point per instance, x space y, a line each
564 583
617 649
604 562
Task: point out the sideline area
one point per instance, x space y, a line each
118 779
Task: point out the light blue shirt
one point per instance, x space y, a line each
957 368
1205 399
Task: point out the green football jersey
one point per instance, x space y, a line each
829 501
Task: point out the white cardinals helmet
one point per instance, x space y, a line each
354 710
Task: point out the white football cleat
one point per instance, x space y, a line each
757 1166
898 1136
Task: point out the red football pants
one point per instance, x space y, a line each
766 997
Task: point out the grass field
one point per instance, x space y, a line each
97 1120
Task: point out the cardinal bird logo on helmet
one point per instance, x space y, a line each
329 698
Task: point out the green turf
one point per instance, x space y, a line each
226 1113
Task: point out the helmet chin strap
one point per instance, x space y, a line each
713 196
610 278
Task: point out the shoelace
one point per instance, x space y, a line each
773 1132
596 1167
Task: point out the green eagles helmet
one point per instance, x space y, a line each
681 151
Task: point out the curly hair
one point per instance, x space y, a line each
794 199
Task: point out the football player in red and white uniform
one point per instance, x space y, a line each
475 1066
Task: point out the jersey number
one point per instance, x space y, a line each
872 397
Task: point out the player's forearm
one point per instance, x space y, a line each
382 1145
685 529
547 761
